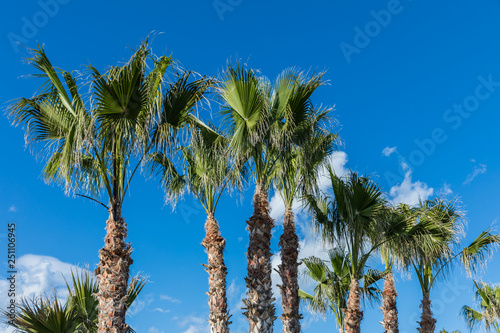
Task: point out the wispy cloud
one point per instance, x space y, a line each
12 209
154 330
233 291
193 329
476 171
170 299
445 190
388 151
161 310
194 324
140 304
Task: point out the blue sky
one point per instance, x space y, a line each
416 90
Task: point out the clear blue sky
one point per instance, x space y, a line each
421 76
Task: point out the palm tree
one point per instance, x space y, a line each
348 219
332 288
95 145
79 313
488 297
395 250
437 254
207 169
260 119
296 174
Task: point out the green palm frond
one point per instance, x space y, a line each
475 255
82 300
245 114
43 315
177 114
488 298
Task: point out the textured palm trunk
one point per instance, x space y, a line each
389 307
217 271
427 321
289 243
113 274
259 306
353 313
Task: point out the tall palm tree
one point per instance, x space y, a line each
206 170
488 297
437 254
296 173
94 143
332 288
260 119
79 313
395 251
348 219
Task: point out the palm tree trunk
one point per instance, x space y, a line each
289 243
427 322
259 304
113 273
389 307
214 244
353 313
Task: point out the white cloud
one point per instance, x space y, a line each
338 161
38 275
388 151
12 209
170 299
277 206
410 192
161 310
478 169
